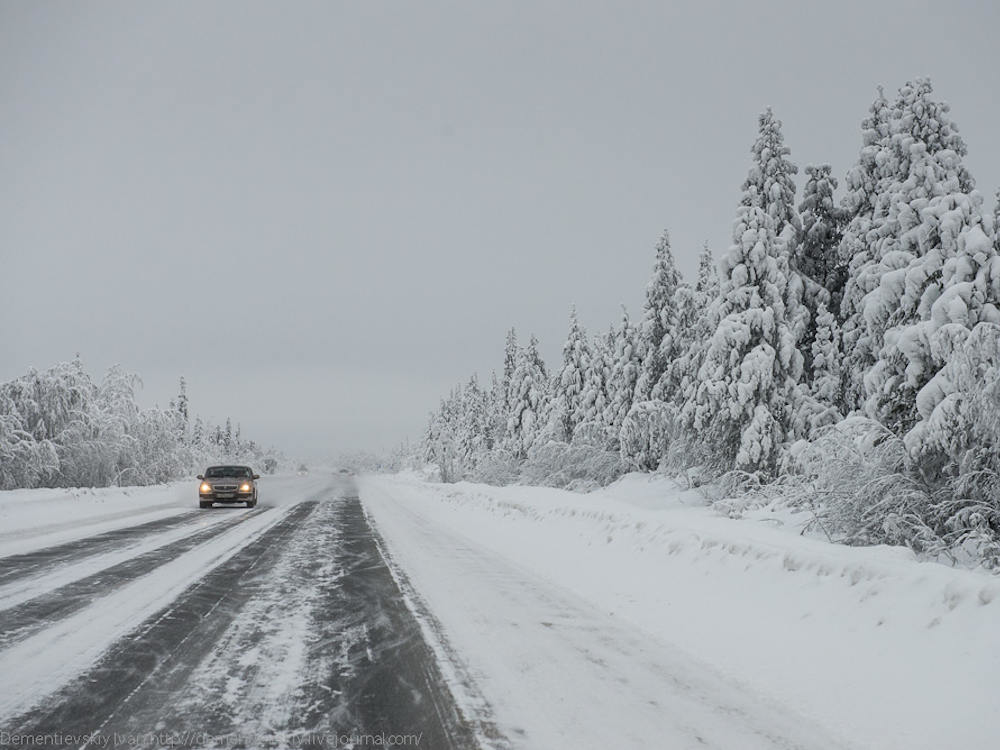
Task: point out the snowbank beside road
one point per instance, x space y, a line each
32 519
881 650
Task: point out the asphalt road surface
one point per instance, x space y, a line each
293 636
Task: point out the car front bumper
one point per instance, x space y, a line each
226 496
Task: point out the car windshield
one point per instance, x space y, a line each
227 471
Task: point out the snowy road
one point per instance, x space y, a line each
553 670
466 616
273 627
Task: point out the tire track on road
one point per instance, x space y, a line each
26 564
204 610
36 614
301 638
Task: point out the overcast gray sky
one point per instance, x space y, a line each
324 214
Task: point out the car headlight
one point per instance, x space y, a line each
205 487
245 487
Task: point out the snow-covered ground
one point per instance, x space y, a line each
635 616
34 519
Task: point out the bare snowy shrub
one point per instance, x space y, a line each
498 467
858 480
575 466
646 434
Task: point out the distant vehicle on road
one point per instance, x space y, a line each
228 484
303 470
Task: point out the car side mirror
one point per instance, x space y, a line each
256 476
201 476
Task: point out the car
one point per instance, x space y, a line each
227 484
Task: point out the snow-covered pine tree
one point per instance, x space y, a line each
917 158
826 359
182 404
996 219
503 395
818 252
708 274
510 354
958 312
594 399
198 434
655 335
919 218
748 379
570 383
440 441
695 322
817 257
820 401
865 183
472 426
494 412
770 185
528 399
623 376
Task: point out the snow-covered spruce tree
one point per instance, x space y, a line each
865 183
820 402
510 355
917 156
959 312
818 253
503 396
645 431
591 426
471 427
440 441
741 410
623 376
920 219
528 399
495 406
570 383
458 434
708 274
693 326
826 359
996 220
956 444
182 406
817 257
655 335
769 184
